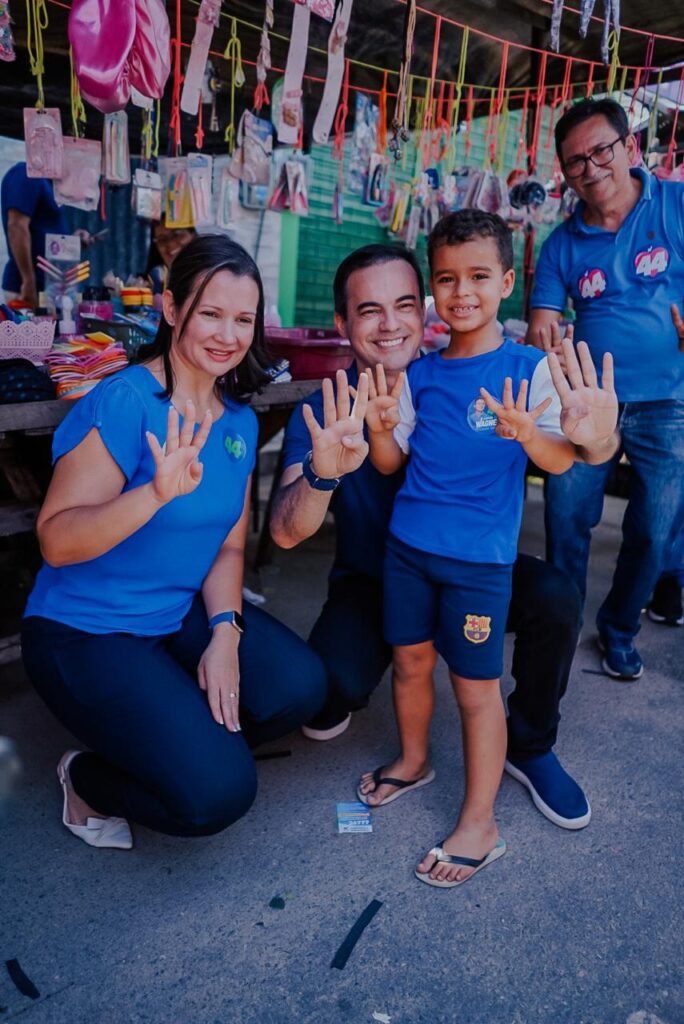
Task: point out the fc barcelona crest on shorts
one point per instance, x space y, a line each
477 628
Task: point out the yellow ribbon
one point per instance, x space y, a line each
233 53
78 114
36 22
613 45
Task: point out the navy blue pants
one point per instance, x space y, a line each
158 757
544 614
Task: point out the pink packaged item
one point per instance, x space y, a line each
79 185
101 33
44 143
150 55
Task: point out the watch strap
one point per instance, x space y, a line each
234 618
318 483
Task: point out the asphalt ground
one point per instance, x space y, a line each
578 927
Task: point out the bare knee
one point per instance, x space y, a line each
414 662
476 696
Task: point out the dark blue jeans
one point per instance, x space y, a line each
674 566
158 757
653 440
544 614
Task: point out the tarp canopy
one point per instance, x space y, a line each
375 38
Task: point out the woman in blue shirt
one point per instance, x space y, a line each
134 634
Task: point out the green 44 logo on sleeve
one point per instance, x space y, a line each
235 447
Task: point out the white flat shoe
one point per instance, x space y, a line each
105 833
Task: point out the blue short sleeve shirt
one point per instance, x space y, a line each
622 285
145 585
35 198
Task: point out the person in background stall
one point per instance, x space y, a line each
378 300
134 634
165 244
620 257
29 213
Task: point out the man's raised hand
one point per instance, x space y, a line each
338 446
552 340
678 324
589 411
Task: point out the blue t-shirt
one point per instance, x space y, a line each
145 585
361 505
622 285
34 197
464 488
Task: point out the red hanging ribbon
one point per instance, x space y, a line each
199 132
669 158
539 110
470 105
567 82
382 116
590 81
175 119
341 116
522 139
261 97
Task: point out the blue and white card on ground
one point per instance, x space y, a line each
354 817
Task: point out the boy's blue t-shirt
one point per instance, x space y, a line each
464 488
34 197
622 285
145 585
361 505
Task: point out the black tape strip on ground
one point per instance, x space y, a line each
272 754
21 981
354 934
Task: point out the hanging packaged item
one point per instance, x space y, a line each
79 185
364 143
323 8
251 161
6 40
207 20
117 159
199 175
178 211
227 205
376 185
44 142
291 191
492 195
147 194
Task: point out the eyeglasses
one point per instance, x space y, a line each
601 157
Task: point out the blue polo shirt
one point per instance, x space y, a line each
361 505
464 488
145 585
622 284
34 197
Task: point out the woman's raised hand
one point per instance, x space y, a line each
515 422
382 414
178 470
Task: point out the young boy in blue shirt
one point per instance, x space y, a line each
455 524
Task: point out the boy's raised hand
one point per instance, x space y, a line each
589 412
382 413
338 447
516 423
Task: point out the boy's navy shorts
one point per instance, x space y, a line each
461 606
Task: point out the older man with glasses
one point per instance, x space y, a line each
620 258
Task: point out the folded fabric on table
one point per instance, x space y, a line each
76 364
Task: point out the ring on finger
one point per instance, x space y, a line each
233 696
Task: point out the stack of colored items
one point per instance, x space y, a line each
77 364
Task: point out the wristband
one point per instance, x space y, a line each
236 620
317 482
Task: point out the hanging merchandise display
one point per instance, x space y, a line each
364 143
117 160
119 46
79 184
377 180
335 73
178 212
291 190
400 123
251 161
207 20
6 40
290 120
227 206
200 178
146 198
263 64
44 142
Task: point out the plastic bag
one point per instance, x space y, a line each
117 160
251 161
44 142
79 185
199 175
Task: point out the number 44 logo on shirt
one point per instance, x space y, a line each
652 261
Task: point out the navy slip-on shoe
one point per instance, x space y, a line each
621 660
553 791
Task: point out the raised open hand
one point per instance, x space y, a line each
678 323
589 412
177 467
382 414
516 423
338 446
552 341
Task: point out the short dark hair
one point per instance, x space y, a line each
192 270
369 256
465 225
613 112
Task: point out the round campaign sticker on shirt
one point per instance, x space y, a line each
236 447
481 419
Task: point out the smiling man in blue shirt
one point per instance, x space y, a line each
620 258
